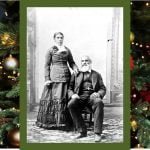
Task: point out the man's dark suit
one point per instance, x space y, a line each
76 105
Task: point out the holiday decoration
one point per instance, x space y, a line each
139 147
140 74
132 37
131 63
134 125
7 39
9 78
14 137
10 63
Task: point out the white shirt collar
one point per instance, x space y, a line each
88 70
60 48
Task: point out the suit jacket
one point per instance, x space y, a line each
97 83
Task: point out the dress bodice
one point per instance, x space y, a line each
56 64
59 68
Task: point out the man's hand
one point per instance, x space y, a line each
75 96
48 82
94 95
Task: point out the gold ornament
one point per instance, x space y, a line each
10 63
14 137
132 37
134 125
139 146
8 39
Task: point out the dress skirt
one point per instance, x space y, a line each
53 105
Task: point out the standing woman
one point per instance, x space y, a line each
53 101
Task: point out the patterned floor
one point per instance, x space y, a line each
112 133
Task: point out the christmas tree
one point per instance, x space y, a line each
9 74
140 74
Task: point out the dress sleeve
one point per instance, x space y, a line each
48 59
71 61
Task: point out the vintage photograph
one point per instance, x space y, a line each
75 75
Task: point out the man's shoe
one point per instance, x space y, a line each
98 137
81 135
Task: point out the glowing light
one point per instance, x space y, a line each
6 13
147 4
132 43
137 44
1 142
141 45
142 57
134 95
14 72
147 46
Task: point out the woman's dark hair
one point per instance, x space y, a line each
56 33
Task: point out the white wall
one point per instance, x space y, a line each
85 30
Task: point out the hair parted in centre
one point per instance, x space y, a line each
56 33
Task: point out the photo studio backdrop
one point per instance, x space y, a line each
96 32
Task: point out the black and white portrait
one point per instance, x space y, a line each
75 74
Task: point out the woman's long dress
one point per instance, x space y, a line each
52 108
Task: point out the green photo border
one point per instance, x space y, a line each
23 77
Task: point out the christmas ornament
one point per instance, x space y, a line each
132 37
134 125
8 39
131 63
10 63
13 137
145 95
139 146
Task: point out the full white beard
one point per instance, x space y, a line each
86 68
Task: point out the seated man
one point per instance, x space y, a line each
86 89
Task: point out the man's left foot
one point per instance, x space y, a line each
98 137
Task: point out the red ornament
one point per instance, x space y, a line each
131 63
145 95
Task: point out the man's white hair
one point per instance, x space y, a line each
87 58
